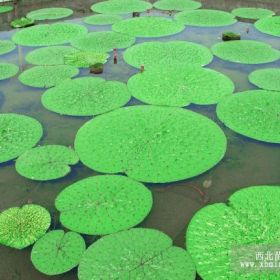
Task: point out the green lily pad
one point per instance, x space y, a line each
180 86
18 133
22 22
46 162
102 19
269 25
49 34
103 41
177 5
121 6
101 205
136 254
249 218
49 13
253 113
246 52
57 252
47 76
151 143
148 26
252 13
268 78
8 70
5 9
167 54
86 97
22 226
6 46
205 18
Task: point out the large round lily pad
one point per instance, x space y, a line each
8 70
21 227
179 86
57 252
268 78
103 204
269 25
205 18
49 13
121 6
252 13
18 133
5 9
136 254
253 113
102 19
250 219
246 52
49 34
6 46
177 5
103 41
46 162
148 26
167 54
47 76
151 143
86 97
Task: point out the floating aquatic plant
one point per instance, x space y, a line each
151 143
102 19
49 13
177 5
86 97
22 226
6 46
18 133
101 205
269 25
5 9
252 13
22 22
57 252
8 70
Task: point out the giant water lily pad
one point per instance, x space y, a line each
167 54
177 5
47 76
46 162
136 254
6 46
49 34
103 204
5 9
18 133
253 113
86 97
8 70
21 227
102 19
121 6
206 18
103 41
269 25
57 252
49 13
268 78
179 86
246 52
151 143
252 13
250 218
148 26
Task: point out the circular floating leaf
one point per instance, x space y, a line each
6 46
177 5
86 97
148 26
5 9
102 19
57 252
151 144
49 34
49 13
22 22
8 70
253 113
246 52
121 6
252 13
103 204
103 41
269 25
18 133
179 86
136 254
21 227
206 18
47 76
250 218
167 54
268 78
46 162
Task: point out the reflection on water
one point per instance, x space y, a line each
246 162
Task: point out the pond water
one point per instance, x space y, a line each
246 163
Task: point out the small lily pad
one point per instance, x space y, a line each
269 25
22 22
6 46
177 5
57 252
101 205
5 9
22 226
8 70
49 13
102 19
252 13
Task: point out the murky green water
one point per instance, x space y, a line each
246 162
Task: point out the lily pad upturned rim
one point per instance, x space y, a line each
49 13
252 13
